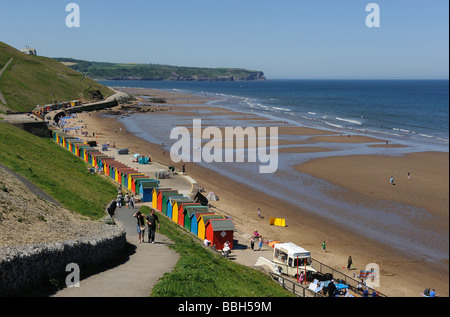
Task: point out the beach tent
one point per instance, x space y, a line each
143 160
219 231
181 206
166 201
212 197
202 221
161 197
146 190
277 222
176 206
199 198
155 192
194 217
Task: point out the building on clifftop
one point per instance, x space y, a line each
29 51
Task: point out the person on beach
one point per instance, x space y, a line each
252 243
140 225
260 242
184 168
391 180
349 262
409 176
151 221
259 212
324 245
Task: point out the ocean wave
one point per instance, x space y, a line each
333 125
349 120
282 109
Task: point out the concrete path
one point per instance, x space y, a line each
135 277
2 99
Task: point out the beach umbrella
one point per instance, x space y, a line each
273 242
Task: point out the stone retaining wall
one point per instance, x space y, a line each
29 266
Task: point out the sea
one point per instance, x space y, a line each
414 113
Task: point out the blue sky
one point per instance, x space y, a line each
285 39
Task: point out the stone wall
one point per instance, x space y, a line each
29 266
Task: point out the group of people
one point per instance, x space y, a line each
429 292
126 200
151 221
256 237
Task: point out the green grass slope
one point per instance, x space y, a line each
32 80
202 273
56 171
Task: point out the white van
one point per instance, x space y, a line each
286 255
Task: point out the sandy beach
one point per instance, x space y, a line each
364 177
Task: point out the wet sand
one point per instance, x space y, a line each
401 275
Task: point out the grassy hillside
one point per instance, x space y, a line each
31 80
202 273
56 171
111 71
198 273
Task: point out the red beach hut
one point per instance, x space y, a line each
219 231
181 218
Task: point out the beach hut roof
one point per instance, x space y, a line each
177 197
221 224
157 190
198 214
149 184
208 217
193 209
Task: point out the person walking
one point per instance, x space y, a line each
259 212
349 262
324 245
184 169
140 225
252 243
127 200
119 200
151 221
132 201
391 180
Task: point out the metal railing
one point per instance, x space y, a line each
293 287
345 279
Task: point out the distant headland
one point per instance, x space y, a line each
157 72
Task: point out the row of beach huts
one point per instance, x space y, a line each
41 111
192 214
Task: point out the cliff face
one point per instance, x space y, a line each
257 76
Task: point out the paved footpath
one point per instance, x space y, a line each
135 277
149 262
